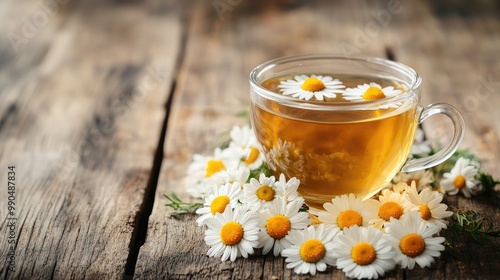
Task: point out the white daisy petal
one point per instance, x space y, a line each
415 244
277 222
319 251
230 237
389 205
345 211
428 203
259 194
317 86
461 178
365 254
223 196
372 91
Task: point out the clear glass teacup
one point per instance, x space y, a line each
341 125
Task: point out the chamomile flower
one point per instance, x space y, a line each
363 252
420 145
279 156
217 202
311 250
277 222
345 211
290 188
422 178
239 175
260 194
244 143
399 187
367 92
389 205
317 86
460 178
242 136
414 241
207 166
199 188
285 157
428 204
232 233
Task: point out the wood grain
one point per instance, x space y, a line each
86 92
82 106
219 55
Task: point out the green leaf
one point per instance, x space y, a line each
487 182
181 207
256 173
470 222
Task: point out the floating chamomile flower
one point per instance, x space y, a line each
363 252
422 178
277 222
428 204
345 211
460 178
217 202
389 205
317 86
279 156
311 250
232 234
244 145
290 188
285 157
414 241
260 194
368 92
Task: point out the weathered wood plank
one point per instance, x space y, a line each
212 86
82 106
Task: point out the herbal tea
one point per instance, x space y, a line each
335 152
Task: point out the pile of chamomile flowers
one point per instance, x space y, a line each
246 210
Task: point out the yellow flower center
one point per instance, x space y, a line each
231 233
278 226
425 212
373 93
313 84
252 157
390 209
219 204
348 218
214 166
266 193
363 253
459 182
412 245
312 251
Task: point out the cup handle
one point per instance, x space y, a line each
446 152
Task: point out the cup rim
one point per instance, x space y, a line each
411 91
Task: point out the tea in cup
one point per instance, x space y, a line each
341 125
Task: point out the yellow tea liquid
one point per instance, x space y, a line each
335 152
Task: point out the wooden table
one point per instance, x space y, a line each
103 103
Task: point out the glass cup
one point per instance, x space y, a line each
352 139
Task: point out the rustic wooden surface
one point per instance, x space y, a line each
103 104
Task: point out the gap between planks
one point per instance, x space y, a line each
142 218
